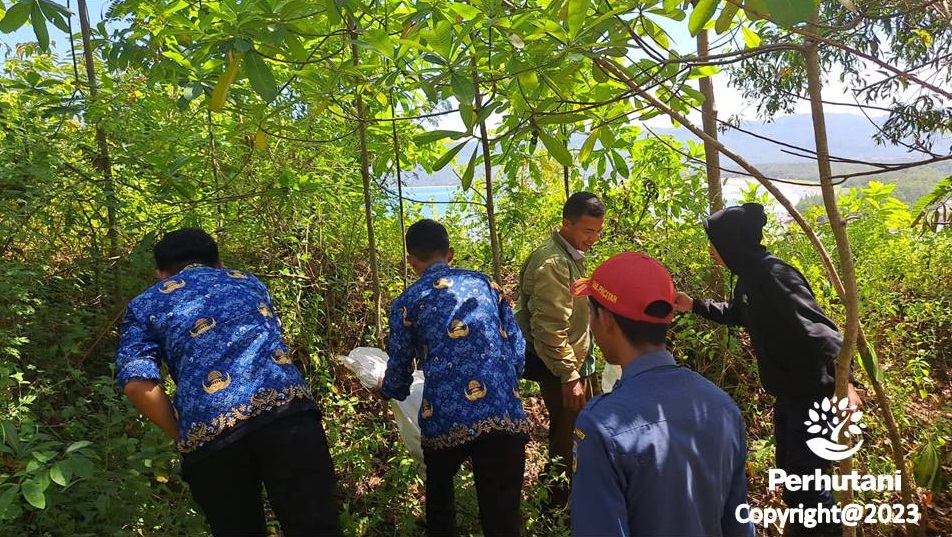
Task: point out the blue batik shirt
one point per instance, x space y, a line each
216 331
459 325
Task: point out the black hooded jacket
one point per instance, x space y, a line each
795 342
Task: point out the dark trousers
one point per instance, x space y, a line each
561 428
794 457
499 462
290 457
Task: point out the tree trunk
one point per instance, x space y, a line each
844 251
101 160
365 175
488 170
712 158
396 160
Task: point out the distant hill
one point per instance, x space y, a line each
850 136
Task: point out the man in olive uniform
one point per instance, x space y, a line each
558 342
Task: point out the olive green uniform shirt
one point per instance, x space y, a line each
554 322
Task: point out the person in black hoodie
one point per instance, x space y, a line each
796 344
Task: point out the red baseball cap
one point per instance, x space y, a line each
627 284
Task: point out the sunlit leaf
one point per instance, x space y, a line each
448 156
556 148
703 11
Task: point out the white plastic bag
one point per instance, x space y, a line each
407 414
370 365
610 375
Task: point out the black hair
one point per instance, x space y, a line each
641 332
581 204
183 247
427 239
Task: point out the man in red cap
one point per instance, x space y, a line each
664 452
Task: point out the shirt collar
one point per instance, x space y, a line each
576 254
648 361
434 268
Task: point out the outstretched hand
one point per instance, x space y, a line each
683 303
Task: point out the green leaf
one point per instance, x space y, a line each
926 466
703 11
379 40
466 11
560 119
82 443
528 79
33 493
15 17
467 115
789 13
575 15
447 157
39 28
463 88
870 362
755 9
724 20
556 148
56 475
6 498
260 76
9 435
432 136
467 179
588 146
751 39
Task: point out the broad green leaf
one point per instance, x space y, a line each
466 11
10 436
15 17
751 38
260 76
463 88
703 11
217 100
379 40
39 27
528 79
755 9
448 156
467 179
560 118
789 13
556 148
588 146
467 115
33 493
575 15
6 498
56 475
704 71
724 20
432 136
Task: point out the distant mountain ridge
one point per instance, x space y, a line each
850 136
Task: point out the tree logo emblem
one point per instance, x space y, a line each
835 421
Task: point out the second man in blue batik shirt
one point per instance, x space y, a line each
458 325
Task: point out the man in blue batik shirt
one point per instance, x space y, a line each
243 415
459 325
664 452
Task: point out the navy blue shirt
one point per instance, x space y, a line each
662 454
460 326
